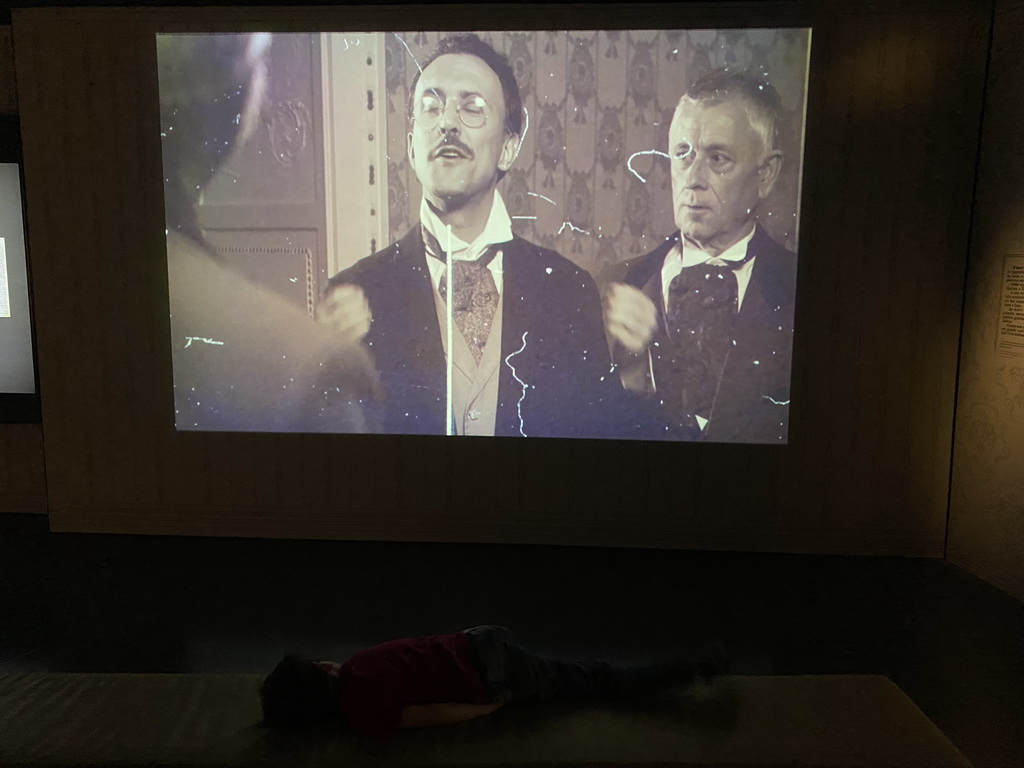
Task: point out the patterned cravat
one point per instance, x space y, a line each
476 301
699 290
703 301
476 295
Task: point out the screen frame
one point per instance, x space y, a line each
125 475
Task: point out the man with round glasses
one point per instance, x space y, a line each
472 110
529 355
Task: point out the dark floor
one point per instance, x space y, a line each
73 602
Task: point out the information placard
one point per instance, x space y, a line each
1010 338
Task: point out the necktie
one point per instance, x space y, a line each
476 295
475 301
702 306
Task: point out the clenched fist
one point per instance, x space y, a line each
346 310
630 317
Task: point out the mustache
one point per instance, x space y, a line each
450 142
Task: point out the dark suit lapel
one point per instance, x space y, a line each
417 291
513 293
405 335
767 305
736 384
762 294
645 274
415 311
513 325
641 271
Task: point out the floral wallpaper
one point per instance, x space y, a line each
593 99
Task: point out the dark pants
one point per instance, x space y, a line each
505 666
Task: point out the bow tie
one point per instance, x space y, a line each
699 290
706 287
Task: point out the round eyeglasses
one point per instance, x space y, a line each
472 111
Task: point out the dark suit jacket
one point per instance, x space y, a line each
752 401
544 296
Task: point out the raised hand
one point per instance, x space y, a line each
346 310
630 317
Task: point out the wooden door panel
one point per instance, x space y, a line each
264 211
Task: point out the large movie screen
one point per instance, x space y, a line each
619 209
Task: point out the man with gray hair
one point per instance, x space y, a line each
704 323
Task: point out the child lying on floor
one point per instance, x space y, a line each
444 679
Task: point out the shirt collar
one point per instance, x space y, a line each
497 230
692 255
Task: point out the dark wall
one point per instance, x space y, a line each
891 138
22 476
98 603
22 479
986 527
94 602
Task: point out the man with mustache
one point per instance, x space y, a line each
704 323
529 356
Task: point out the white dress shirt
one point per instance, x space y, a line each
498 230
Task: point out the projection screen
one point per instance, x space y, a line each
621 209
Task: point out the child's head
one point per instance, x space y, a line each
299 691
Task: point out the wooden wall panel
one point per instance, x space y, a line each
895 95
986 524
8 92
22 476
